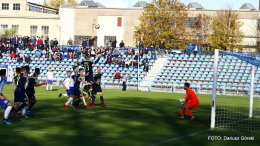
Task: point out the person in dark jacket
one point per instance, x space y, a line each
161 48
25 44
145 61
153 45
145 52
46 42
141 52
114 44
136 56
91 42
146 67
141 45
122 63
55 42
122 44
84 43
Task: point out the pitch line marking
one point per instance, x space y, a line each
193 134
92 113
58 133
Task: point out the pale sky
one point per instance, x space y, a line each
208 4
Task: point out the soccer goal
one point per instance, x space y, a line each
235 92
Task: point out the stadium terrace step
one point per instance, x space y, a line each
155 69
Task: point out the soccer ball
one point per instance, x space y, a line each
97 26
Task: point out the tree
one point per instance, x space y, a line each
56 3
201 27
72 2
10 32
162 20
45 3
226 31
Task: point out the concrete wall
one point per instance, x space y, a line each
84 19
66 25
25 19
108 27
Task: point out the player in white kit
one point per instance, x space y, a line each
49 79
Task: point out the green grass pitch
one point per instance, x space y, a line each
132 118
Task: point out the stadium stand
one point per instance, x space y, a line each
60 67
233 74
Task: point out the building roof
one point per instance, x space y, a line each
141 4
100 5
195 6
247 6
89 3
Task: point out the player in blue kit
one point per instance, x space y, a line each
76 91
17 71
20 92
97 88
4 102
30 89
88 70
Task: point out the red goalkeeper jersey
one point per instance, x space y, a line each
191 95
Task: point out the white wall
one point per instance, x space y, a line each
108 27
66 25
249 28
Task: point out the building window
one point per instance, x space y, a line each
106 40
4 27
35 9
16 27
119 21
5 6
45 32
16 6
49 11
77 40
33 31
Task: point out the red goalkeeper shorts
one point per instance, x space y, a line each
192 105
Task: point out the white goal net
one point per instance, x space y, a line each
236 91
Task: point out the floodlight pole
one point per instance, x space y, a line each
252 91
214 90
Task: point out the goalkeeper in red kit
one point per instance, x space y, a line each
194 102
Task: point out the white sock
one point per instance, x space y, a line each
51 87
47 87
84 101
24 111
69 101
7 112
64 94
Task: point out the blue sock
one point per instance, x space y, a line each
93 100
88 94
102 99
77 103
21 107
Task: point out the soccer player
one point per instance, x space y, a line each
30 89
88 70
20 96
76 91
194 102
49 79
97 88
75 70
4 102
17 71
68 84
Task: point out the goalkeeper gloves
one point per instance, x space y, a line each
182 100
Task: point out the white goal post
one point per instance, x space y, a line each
235 107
